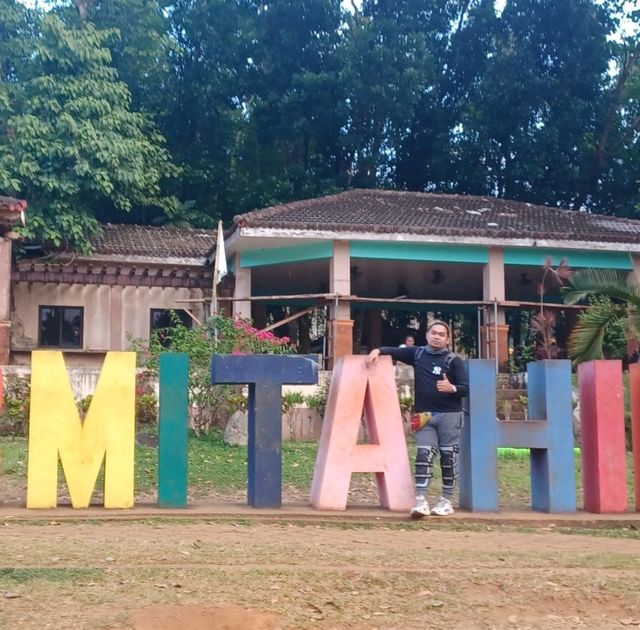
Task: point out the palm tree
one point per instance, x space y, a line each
622 308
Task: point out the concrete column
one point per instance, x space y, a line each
340 282
116 336
634 276
5 300
493 279
493 288
5 278
242 288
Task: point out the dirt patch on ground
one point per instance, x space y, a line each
166 575
224 617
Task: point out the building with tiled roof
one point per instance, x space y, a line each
161 243
11 211
87 305
431 217
357 257
390 250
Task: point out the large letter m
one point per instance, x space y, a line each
107 433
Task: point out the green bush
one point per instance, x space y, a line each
211 405
292 399
83 405
14 418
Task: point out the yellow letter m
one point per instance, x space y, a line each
107 433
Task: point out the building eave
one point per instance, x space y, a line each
245 235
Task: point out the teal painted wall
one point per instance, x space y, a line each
537 257
280 255
381 250
419 251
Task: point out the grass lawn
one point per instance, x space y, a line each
213 464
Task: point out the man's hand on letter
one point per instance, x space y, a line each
373 355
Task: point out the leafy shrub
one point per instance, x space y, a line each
406 403
14 418
211 405
146 400
292 399
147 410
318 400
83 405
520 357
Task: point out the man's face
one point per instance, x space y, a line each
438 336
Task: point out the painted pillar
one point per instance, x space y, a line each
493 288
173 454
116 317
242 288
634 384
604 463
265 374
548 436
5 300
340 282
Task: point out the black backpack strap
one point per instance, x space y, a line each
448 361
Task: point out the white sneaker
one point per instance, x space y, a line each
421 508
443 507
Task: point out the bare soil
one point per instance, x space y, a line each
246 574
166 575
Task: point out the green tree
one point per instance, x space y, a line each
390 61
517 104
141 52
205 96
290 144
616 306
16 31
70 142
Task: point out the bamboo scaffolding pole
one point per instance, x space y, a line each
282 322
371 300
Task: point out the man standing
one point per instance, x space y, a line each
440 384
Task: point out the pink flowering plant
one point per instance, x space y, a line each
211 405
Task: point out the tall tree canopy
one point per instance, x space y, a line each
70 143
257 103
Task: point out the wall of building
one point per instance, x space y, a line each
112 315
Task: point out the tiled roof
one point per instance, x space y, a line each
386 211
11 203
153 242
10 208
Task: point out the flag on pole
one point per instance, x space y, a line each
219 267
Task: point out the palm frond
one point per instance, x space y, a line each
607 282
586 340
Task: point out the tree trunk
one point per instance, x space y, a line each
84 8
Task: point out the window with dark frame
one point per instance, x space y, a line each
60 326
164 318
